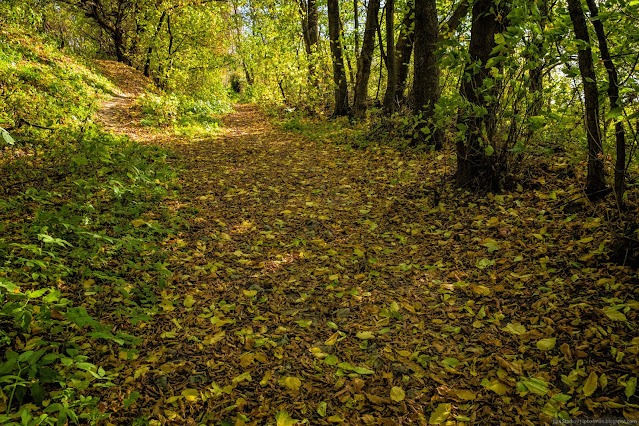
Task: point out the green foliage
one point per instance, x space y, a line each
183 112
61 243
74 202
40 86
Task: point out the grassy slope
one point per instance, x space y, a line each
74 202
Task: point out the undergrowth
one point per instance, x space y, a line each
75 204
185 114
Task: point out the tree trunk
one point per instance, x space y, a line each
615 102
403 51
339 73
310 31
365 59
310 27
474 165
391 63
426 90
596 179
149 51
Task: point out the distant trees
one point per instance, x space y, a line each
493 78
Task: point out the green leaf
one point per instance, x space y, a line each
561 397
321 408
489 150
536 385
7 137
362 370
613 314
304 323
330 360
451 362
631 387
590 386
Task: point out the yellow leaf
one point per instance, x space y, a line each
286 212
332 340
397 394
480 289
292 383
141 371
515 328
138 222
189 301
590 386
465 394
499 388
546 344
191 395
249 293
365 335
214 339
284 419
440 414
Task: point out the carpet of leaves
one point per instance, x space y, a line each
314 284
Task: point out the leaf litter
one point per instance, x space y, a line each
314 284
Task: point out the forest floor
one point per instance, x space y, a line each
313 283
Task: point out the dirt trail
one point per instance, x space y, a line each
275 262
316 283
118 114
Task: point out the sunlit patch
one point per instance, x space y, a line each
282 259
243 227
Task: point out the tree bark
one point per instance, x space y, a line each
426 89
596 180
474 166
391 64
310 31
339 72
365 59
615 102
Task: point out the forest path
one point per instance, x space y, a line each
278 268
314 282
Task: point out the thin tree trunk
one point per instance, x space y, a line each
615 102
426 89
339 73
365 59
149 51
356 30
596 179
391 63
474 168
403 51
